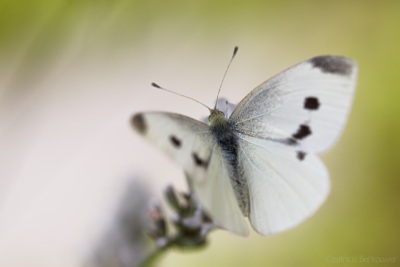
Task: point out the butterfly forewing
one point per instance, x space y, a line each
185 140
305 106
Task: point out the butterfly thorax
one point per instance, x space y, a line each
224 135
216 117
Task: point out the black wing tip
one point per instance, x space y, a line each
139 123
334 64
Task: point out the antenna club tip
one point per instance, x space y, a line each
155 85
235 50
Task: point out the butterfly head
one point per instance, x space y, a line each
216 117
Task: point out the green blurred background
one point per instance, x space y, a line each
187 44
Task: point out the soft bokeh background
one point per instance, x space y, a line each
72 73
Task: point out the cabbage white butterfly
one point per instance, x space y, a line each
261 162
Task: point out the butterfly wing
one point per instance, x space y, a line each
191 145
216 195
283 190
280 125
305 106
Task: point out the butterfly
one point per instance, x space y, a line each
261 162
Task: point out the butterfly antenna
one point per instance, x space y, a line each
226 71
162 88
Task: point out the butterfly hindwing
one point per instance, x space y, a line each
305 106
217 195
283 190
190 143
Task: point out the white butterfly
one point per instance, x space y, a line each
260 163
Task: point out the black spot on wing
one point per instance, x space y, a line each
302 132
199 161
139 123
175 141
301 155
311 103
332 64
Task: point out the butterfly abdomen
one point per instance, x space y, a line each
228 142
